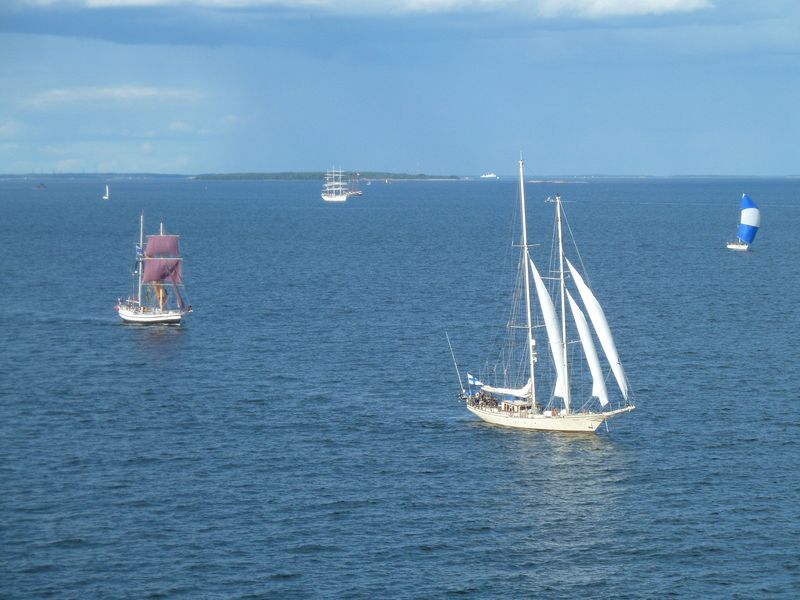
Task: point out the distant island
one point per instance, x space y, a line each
277 176
317 175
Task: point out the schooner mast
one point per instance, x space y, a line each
525 260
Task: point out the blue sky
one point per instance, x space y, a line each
620 87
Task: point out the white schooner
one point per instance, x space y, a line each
517 398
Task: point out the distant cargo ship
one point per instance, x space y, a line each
489 176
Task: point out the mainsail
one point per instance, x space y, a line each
157 270
600 324
750 220
163 246
163 264
162 259
553 332
522 392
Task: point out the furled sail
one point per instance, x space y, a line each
600 324
598 381
162 245
163 269
553 332
523 392
750 220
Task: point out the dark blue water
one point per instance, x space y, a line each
299 436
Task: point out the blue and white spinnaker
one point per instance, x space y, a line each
751 220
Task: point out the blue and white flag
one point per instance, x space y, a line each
473 381
139 251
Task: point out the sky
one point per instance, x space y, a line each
461 87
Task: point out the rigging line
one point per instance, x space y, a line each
577 251
460 384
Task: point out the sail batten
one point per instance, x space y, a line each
552 326
600 324
598 381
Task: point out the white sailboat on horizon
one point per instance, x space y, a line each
517 398
107 195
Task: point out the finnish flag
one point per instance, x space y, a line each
473 381
139 251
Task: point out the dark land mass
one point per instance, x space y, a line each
319 175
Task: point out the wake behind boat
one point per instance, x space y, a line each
749 222
157 294
517 396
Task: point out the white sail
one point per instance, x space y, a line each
598 381
600 324
523 392
553 334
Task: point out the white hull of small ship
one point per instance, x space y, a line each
573 423
334 197
737 246
149 315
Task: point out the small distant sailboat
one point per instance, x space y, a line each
749 223
335 188
354 190
516 397
157 294
107 195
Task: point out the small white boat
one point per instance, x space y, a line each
335 188
489 176
157 294
107 195
749 223
519 396
354 189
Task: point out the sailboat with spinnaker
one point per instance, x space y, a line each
749 222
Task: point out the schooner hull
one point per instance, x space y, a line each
337 198
155 317
574 423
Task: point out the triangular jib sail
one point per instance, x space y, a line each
750 220
598 381
600 324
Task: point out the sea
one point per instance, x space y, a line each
300 435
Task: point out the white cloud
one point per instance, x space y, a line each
180 127
67 165
11 129
111 94
544 8
618 8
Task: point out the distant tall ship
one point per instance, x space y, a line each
335 187
749 222
157 294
